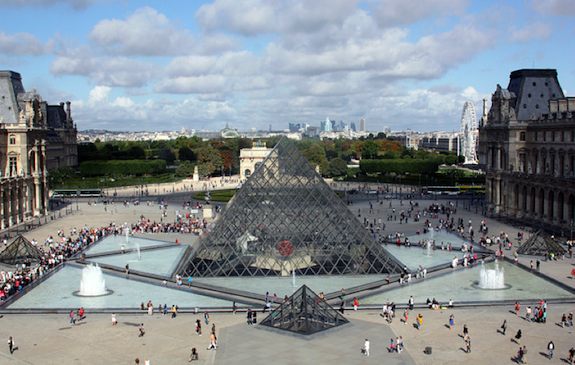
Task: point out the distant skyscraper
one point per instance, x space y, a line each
326 126
352 127
362 125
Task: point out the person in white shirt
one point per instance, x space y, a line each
366 347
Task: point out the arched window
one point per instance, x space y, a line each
12 139
247 172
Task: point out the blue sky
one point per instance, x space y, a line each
167 65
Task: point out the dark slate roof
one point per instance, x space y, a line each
533 89
56 116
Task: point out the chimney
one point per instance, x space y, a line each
68 113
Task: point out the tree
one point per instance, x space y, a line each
315 154
369 150
209 160
185 169
337 167
167 155
186 154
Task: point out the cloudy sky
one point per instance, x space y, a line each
164 65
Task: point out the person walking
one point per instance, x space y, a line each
206 318
114 319
550 348
405 316
419 320
12 345
517 308
72 316
410 302
465 330
198 327
249 316
451 321
467 341
193 355
212 345
366 347
355 303
518 337
141 330
504 327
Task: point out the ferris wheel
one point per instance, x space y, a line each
469 133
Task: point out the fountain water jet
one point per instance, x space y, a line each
92 283
492 278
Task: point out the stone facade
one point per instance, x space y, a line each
34 137
527 146
250 158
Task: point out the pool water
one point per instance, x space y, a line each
56 292
161 261
115 243
413 256
458 285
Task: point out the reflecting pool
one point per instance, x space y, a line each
459 286
158 261
56 292
115 243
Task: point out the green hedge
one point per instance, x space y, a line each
399 166
122 167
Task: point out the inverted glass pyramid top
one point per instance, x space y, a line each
285 218
304 313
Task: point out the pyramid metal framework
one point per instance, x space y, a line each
20 251
540 244
304 313
285 218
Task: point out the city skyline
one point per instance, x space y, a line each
199 65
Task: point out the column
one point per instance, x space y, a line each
10 205
556 206
498 162
37 210
2 216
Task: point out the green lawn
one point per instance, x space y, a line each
222 196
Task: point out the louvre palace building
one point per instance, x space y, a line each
527 147
34 137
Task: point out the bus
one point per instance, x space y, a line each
454 190
77 193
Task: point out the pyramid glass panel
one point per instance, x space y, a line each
304 313
20 251
286 218
540 244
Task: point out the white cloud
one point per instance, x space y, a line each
391 13
109 71
531 32
252 17
21 44
146 32
554 7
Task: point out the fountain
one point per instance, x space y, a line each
92 283
293 278
138 251
429 248
492 278
126 231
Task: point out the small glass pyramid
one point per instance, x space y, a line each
304 313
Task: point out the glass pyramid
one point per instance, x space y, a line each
285 218
304 313
540 244
20 251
